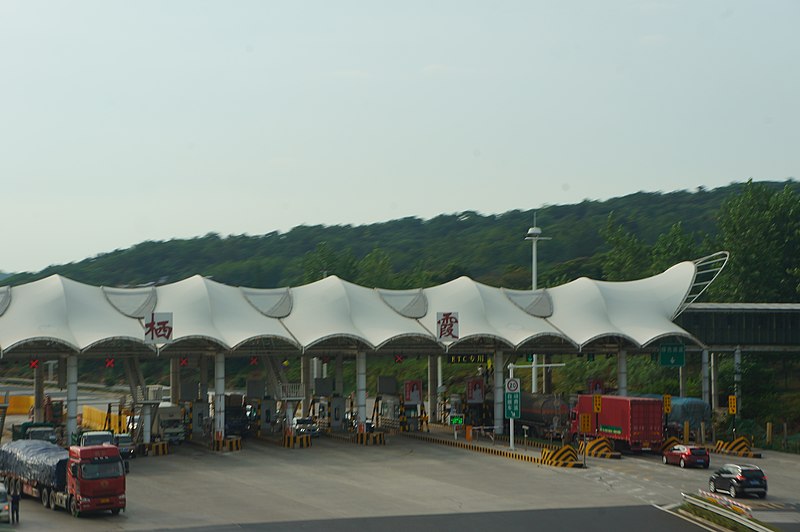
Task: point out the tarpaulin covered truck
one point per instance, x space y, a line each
80 480
631 423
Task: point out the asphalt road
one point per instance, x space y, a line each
334 485
406 485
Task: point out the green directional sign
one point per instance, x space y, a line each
672 355
512 398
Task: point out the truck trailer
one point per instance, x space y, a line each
79 480
545 415
631 423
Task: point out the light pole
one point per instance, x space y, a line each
534 235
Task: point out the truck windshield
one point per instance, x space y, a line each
93 471
124 440
45 434
96 439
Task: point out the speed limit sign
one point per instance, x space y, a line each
512 385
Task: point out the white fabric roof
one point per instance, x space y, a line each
79 316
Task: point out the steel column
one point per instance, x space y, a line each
499 388
219 395
72 396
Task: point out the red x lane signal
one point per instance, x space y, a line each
183 362
254 361
398 359
109 362
34 363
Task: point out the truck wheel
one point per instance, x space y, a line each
115 511
45 498
53 505
73 507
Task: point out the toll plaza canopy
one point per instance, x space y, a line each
58 316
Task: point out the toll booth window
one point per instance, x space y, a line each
94 471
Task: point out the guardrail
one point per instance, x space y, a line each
733 515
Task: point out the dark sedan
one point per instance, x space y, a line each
687 456
739 480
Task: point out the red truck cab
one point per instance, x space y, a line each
95 479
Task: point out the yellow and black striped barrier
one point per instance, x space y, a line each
290 441
739 447
561 454
669 443
230 443
563 457
371 438
599 448
159 448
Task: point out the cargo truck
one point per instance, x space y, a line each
34 431
631 423
80 480
169 423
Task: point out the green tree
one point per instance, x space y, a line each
375 270
628 257
761 229
673 247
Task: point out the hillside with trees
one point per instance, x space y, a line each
623 238
589 239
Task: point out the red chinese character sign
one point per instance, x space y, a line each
158 328
475 391
413 392
447 326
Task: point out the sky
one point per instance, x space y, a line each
122 122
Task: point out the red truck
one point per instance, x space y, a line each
81 480
631 423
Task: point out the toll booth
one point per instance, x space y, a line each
475 395
455 406
267 416
200 415
389 417
412 398
337 409
412 417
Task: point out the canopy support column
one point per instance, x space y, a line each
439 396
219 395
340 374
174 381
306 379
499 388
714 383
72 396
622 372
704 376
737 377
361 385
682 379
204 378
433 384
38 394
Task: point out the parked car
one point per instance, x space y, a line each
687 456
305 425
5 506
739 480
